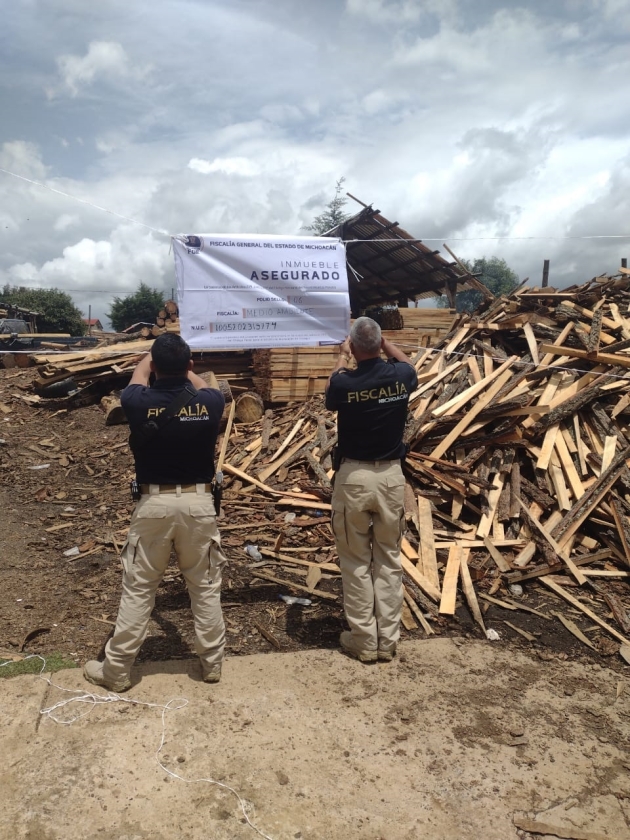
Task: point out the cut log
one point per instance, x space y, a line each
114 412
249 407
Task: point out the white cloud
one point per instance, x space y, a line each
22 158
103 60
66 220
398 11
229 166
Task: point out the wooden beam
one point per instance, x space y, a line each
449 584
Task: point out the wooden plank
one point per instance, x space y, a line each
499 559
290 585
577 574
601 358
453 405
427 542
572 627
476 543
251 480
276 464
456 340
568 467
449 584
293 501
618 514
478 407
469 590
529 636
419 579
296 428
547 447
474 368
226 437
610 446
562 592
435 380
584 506
581 449
485 523
531 342
406 617
557 479
408 550
285 558
417 612
550 354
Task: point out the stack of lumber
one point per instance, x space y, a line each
286 374
428 319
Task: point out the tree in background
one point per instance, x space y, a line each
494 273
333 215
58 314
143 305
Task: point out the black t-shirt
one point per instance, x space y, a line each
182 451
371 405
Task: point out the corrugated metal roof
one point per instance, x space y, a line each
392 266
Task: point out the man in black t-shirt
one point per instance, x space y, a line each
368 497
174 461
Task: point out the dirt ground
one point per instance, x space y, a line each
456 738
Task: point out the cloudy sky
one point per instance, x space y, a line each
472 122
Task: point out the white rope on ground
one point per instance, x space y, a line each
83 201
91 700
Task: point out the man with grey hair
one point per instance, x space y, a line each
368 497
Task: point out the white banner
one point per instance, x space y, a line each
261 291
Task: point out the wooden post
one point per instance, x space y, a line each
545 277
624 262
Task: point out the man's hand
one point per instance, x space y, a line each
344 348
142 371
343 359
393 352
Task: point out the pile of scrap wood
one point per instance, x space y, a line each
92 373
519 447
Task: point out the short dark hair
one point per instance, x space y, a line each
170 354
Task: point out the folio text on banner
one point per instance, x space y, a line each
250 291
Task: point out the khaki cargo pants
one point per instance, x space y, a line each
367 520
188 523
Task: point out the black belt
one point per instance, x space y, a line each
345 460
145 489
